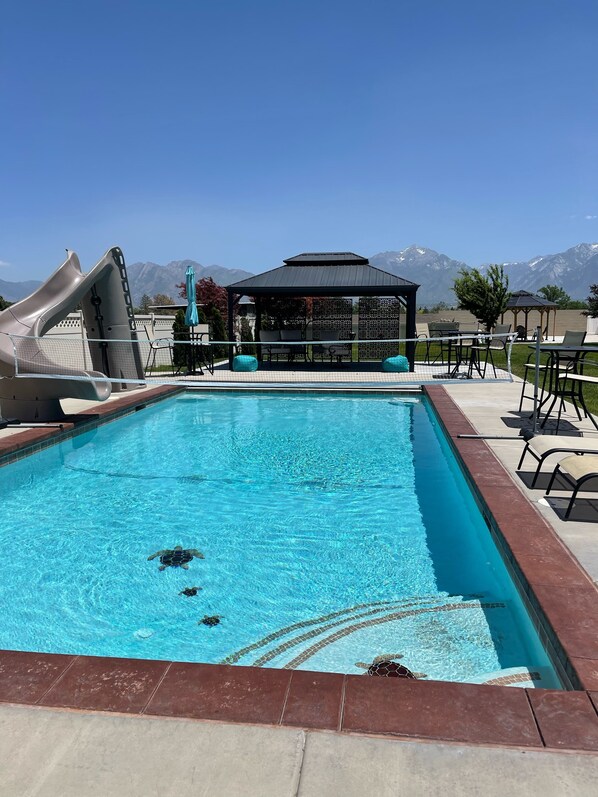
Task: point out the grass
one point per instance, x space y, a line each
519 355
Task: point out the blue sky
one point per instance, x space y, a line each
239 133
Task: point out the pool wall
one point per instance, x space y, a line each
563 599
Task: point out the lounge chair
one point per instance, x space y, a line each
543 446
577 471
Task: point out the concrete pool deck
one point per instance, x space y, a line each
238 759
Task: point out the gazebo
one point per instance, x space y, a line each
525 302
340 276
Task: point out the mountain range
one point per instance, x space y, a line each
573 270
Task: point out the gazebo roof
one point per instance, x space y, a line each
524 299
325 274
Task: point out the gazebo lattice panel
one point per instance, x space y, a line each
378 318
332 313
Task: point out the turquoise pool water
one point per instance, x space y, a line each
334 529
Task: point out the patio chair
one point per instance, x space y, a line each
323 350
486 349
343 349
271 337
441 329
423 338
543 446
571 338
293 335
576 471
157 345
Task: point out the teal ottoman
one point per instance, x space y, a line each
397 365
244 362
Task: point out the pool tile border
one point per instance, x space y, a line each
558 590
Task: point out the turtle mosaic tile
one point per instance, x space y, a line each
563 597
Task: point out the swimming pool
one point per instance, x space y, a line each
335 529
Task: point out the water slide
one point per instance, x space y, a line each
104 297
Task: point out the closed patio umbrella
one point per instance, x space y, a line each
191 317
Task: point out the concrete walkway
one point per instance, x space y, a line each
491 408
46 753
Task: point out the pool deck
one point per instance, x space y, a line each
124 727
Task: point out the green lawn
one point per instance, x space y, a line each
519 355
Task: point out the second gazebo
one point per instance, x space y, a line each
522 303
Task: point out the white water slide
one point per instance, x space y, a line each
32 383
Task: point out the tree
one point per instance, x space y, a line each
555 294
592 310
209 295
485 296
440 307
144 304
3 303
278 311
161 299
575 304
217 331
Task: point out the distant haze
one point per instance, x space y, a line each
573 270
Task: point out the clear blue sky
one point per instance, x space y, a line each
239 133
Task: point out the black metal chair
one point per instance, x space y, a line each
157 345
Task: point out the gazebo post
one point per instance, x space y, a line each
231 327
258 326
410 330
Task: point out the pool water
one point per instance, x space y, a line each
334 530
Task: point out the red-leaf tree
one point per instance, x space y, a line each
210 295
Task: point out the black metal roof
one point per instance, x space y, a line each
325 274
326 259
525 299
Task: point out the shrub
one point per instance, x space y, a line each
180 331
248 346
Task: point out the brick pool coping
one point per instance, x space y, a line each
557 588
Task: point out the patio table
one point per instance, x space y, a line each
575 356
456 344
200 353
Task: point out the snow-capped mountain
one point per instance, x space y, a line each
573 270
